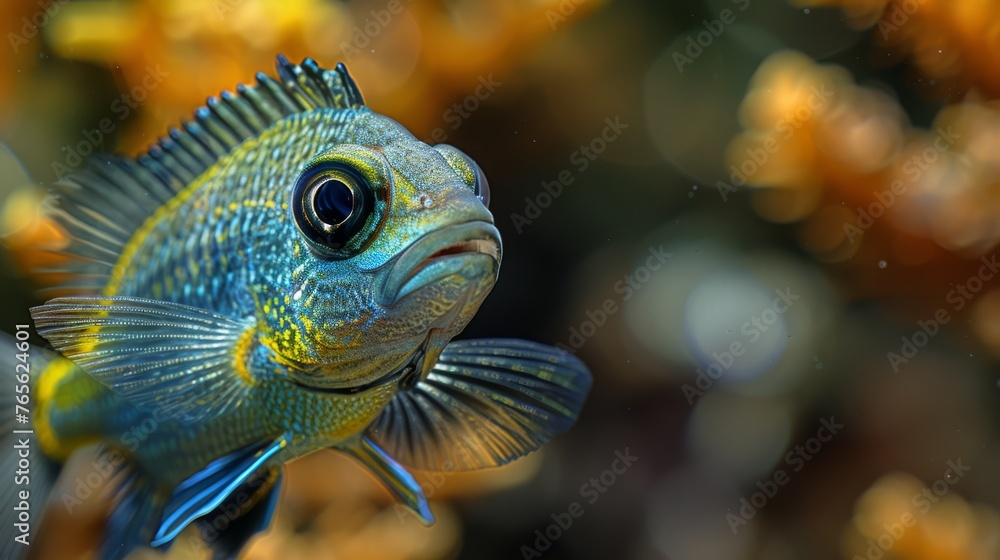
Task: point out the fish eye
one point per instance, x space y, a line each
333 202
332 205
468 170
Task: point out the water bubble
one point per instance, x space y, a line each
882 264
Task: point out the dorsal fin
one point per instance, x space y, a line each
101 205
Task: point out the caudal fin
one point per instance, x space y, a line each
29 474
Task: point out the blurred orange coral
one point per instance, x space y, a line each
956 42
900 518
412 58
845 160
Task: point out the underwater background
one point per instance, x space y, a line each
769 227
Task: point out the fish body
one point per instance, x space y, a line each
253 264
283 274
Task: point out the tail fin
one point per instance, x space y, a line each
21 458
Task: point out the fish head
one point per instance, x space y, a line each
394 250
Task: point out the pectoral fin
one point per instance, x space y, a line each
483 404
395 478
208 488
158 355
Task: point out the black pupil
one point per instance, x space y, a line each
333 202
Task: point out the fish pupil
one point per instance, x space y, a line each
334 202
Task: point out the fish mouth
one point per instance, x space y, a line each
439 254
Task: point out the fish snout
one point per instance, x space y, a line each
471 250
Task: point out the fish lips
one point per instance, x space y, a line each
470 249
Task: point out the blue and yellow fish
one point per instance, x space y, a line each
282 274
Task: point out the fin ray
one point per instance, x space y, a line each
155 354
484 403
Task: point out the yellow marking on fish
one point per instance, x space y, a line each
241 353
45 392
287 342
307 323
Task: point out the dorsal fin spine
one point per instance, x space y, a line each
245 111
192 146
170 157
207 141
223 110
278 94
264 108
180 161
215 128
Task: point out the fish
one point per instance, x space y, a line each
282 274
